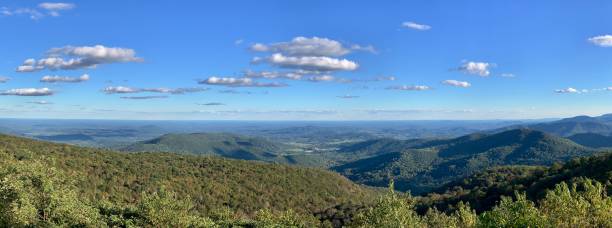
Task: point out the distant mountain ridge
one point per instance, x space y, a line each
431 164
592 140
570 126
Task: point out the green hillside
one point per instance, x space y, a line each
571 126
421 170
483 190
221 144
592 140
212 182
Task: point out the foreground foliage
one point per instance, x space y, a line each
38 191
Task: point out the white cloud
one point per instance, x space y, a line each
70 58
321 78
317 63
40 102
348 96
54 79
368 48
45 9
303 46
295 75
4 79
416 26
410 88
28 92
477 68
55 6
603 40
119 89
571 90
174 91
508 75
238 82
456 83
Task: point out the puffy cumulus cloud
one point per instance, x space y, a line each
71 58
410 87
416 26
238 82
212 104
456 83
123 89
476 68
27 92
602 41
321 78
303 46
314 63
348 96
54 79
571 90
4 79
143 97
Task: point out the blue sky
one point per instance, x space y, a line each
324 60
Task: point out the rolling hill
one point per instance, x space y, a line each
220 144
212 182
432 164
592 140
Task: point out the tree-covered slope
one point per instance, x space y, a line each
212 182
420 170
484 189
221 144
592 140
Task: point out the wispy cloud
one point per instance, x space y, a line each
27 92
410 87
508 75
43 10
55 79
42 102
238 82
4 79
571 90
456 83
125 89
314 46
348 96
416 26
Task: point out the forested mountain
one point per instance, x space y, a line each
220 144
432 164
570 126
212 182
483 190
592 140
